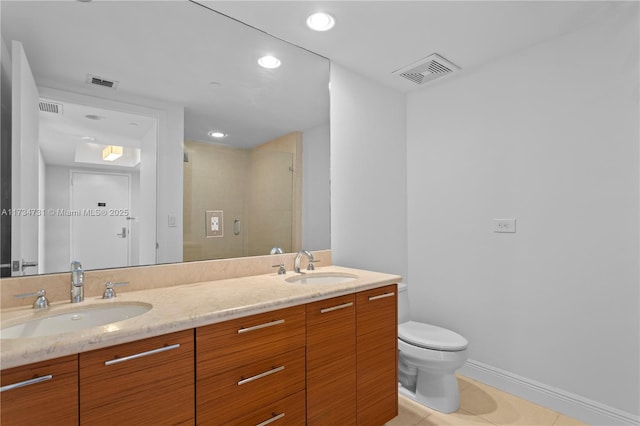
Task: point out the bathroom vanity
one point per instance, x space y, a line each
251 350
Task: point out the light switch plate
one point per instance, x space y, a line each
504 225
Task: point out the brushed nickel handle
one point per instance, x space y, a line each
335 308
142 354
271 420
382 296
26 383
261 375
259 326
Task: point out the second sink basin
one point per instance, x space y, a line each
75 320
322 278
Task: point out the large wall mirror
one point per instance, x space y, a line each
144 132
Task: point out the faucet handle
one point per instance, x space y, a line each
310 266
109 291
281 270
41 301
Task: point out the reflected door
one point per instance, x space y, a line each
27 218
99 226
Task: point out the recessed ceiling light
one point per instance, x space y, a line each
93 117
133 123
214 84
88 138
320 21
217 134
269 62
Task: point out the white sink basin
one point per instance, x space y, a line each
322 278
75 320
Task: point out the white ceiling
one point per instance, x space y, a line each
173 50
375 38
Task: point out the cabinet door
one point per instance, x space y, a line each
377 342
41 393
144 382
331 362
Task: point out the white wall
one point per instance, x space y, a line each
368 177
316 206
548 136
58 227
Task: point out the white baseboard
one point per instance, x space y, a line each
569 404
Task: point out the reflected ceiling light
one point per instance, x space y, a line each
88 138
269 62
217 134
321 21
112 153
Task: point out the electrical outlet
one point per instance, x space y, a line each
504 225
213 223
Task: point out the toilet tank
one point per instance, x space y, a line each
404 312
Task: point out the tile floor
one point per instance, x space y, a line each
481 404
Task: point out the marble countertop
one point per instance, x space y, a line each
176 308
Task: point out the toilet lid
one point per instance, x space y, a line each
431 337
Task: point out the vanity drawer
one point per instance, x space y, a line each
43 392
226 345
247 388
377 309
334 309
148 381
289 411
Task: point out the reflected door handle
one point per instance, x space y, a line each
28 264
124 233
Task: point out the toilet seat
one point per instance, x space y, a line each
431 337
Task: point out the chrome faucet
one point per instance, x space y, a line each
296 262
77 282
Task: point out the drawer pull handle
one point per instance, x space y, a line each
271 420
261 375
382 296
335 308
259 326
141 354
26 383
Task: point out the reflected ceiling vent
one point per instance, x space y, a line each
49 106
100 81
427 69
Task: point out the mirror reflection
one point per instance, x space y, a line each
146 132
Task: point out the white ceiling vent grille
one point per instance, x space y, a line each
48 106
102 82
427 69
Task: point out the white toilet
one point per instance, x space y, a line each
427 361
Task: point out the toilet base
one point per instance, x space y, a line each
436 391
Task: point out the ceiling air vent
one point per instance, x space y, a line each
100 81
48 106
427 69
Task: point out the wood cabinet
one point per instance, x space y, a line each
252 369
376 355
41 393
149 381
331 361
328 362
